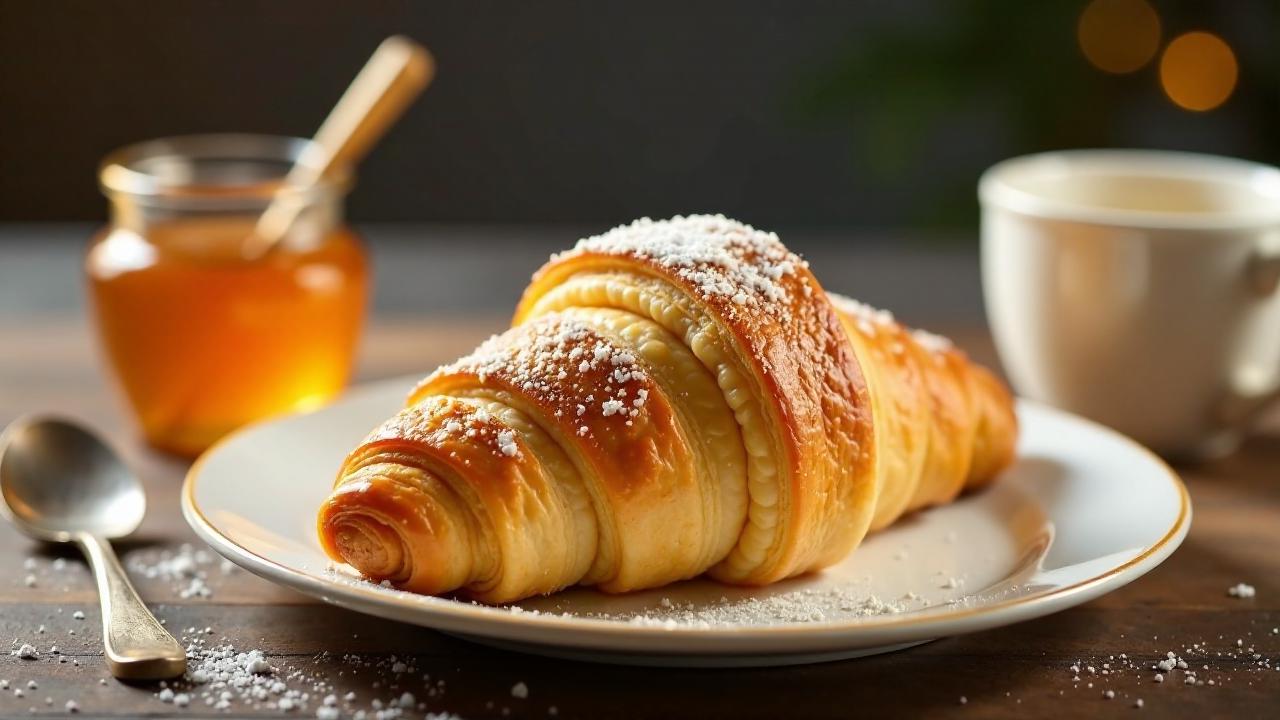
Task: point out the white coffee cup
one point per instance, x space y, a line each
1137 288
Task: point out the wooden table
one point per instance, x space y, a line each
1016 671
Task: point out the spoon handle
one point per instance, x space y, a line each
137 646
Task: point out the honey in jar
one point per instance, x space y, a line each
202 337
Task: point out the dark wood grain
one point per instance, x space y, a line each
1017 671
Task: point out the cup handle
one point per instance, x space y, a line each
1263 271
1264 267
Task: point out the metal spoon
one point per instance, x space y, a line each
60 483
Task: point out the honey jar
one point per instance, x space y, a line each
203 335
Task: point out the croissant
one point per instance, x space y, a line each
674 398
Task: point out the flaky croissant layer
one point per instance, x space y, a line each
675 398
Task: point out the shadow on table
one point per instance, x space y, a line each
1253 470
1235 507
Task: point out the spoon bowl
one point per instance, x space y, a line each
57 479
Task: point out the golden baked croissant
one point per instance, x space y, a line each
675 398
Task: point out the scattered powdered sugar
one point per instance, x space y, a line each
187 569
1242 590
223 678
44 575
809 605
1198 664
721 257
227 679
805 605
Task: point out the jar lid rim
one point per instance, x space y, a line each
120 173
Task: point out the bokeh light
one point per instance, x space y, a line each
1119 36
1198 71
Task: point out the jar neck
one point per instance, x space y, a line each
318 218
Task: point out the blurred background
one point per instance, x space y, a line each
844 125
852 113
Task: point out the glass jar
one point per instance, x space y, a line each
202 337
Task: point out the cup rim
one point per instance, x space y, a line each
996 190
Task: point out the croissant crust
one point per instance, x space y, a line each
674 398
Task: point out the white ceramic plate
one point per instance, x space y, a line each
1083 512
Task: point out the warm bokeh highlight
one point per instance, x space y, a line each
1198 71
1119 36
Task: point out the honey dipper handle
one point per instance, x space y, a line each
394 75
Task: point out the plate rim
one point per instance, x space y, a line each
602 635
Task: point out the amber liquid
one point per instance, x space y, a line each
204 341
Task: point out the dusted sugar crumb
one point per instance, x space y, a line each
26 652
507 443
1242 590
